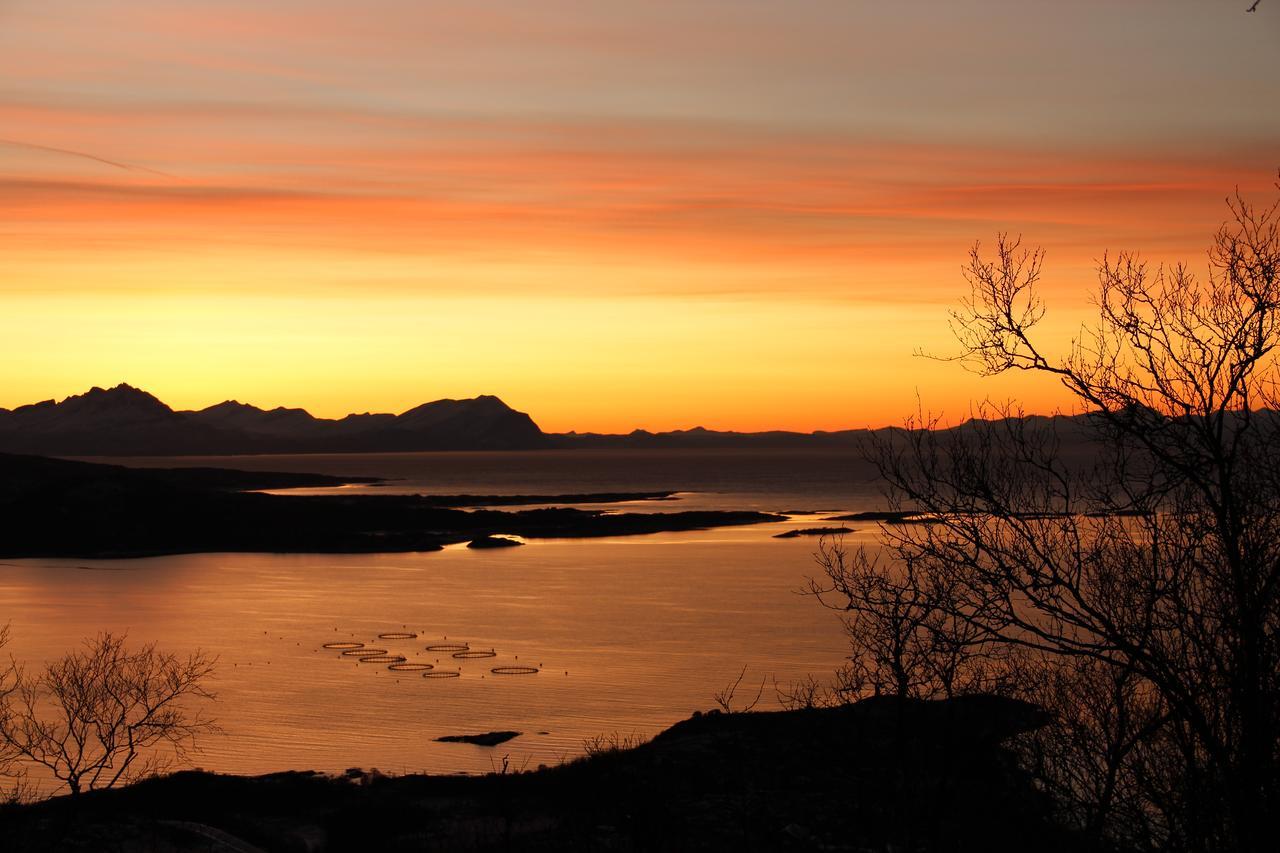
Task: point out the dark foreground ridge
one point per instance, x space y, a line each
60 508
878 775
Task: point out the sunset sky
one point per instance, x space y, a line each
743 214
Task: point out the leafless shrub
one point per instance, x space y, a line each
104 715
807 692
610 743
724 698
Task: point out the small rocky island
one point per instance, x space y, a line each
485 542
485 739
796 533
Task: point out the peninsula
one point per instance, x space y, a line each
64 508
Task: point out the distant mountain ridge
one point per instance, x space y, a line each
127 421
1070 427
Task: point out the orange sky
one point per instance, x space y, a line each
738 215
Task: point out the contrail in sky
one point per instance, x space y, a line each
69 152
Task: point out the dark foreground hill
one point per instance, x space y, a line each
876 776
61 508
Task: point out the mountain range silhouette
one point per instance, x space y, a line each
127 421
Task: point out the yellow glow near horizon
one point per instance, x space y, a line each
745 216
572 363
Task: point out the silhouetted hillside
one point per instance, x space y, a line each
880 775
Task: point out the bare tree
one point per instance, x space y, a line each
10 774
105 715
908 638
1130 555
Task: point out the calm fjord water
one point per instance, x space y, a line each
631 633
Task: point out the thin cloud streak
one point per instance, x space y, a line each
128 167
745 196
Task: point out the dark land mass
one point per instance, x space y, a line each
813 531
494 542
874 515
59 508
882 774
126 421
886 517
1073 430
31 476
486 739
709 439
525 500
916 518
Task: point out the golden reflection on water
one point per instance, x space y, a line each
630 634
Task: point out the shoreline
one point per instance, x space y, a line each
64 509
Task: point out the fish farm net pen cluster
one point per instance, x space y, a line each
355 653
514 670
442 673
383 659
476 654
449 647
342 646
398 635
411 667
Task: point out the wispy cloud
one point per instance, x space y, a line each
128 167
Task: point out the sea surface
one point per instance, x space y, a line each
629 634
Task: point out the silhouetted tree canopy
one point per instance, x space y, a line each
1133 589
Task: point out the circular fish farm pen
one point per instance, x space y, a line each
400 663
